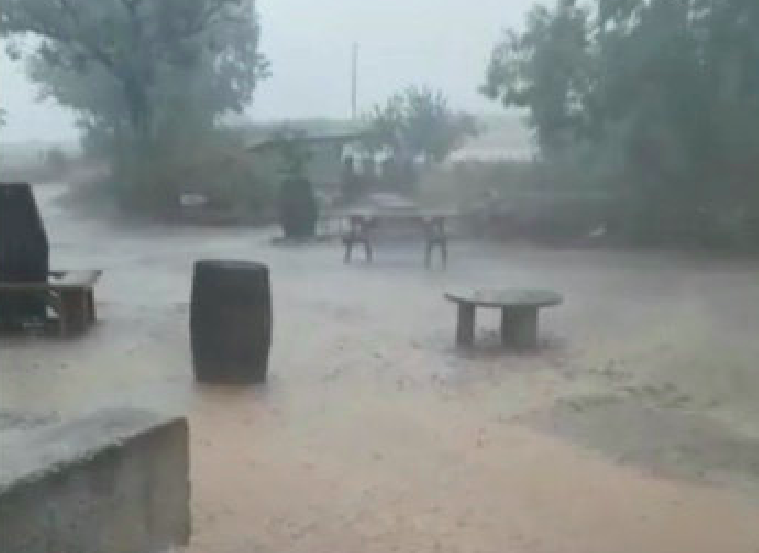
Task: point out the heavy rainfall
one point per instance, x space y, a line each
409 275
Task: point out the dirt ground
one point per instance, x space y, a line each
635 428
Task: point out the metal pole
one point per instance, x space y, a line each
354 81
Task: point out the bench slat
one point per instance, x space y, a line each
68 280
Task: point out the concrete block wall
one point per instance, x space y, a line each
113 482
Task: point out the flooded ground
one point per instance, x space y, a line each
635 428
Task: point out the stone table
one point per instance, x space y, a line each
519 313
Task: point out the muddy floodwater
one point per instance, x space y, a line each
635 428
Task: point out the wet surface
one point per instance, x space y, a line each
665 439
375 434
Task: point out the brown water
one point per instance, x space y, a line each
374 434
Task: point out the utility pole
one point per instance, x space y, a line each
354 81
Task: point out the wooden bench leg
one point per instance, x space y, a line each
430 250
348 249
465 325
519 327
74 311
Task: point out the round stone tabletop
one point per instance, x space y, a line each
507 297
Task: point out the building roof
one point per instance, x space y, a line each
325 139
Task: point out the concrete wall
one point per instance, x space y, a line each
113 482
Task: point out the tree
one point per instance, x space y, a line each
119 62
148 79
418 122
660 98
545 69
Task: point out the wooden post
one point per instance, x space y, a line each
465 325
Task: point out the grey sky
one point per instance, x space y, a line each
443 43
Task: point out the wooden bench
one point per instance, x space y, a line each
361 227
69 293
519 314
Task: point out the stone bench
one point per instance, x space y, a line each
116 481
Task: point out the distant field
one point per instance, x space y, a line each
501 138
27 160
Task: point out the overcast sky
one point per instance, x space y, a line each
442 43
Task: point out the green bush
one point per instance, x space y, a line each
151 182
576 193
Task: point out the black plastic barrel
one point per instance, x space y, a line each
230 321
24 253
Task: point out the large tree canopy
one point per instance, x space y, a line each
131 65
661 95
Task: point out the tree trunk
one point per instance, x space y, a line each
230 321
138 104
